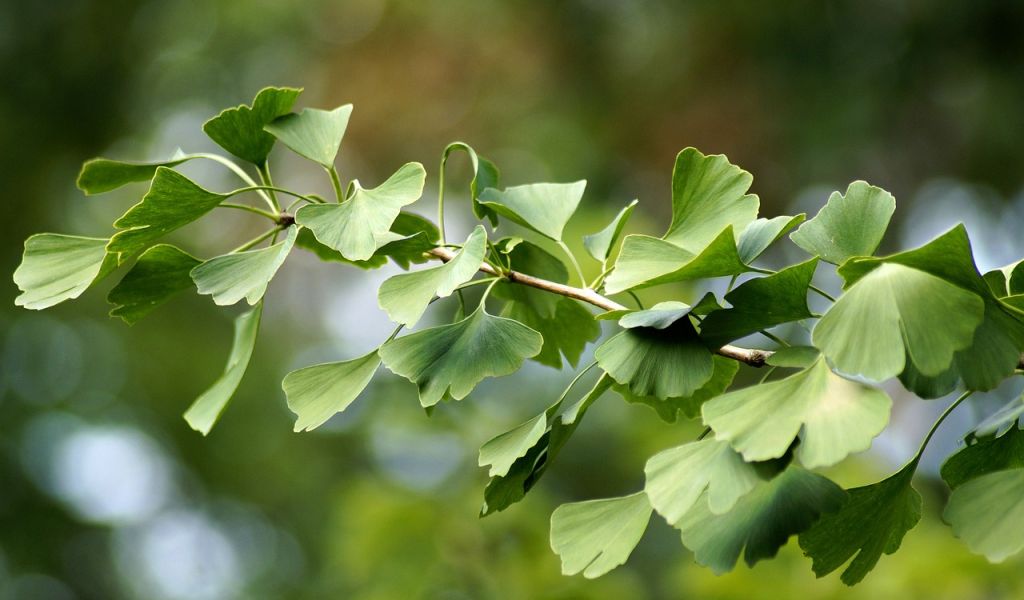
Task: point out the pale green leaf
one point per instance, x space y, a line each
172 202
360 225
599 245
240 131
453 359
207 408
541 207
161 272
987 512
595 536
56 267
848 225
762 233
645 261
313 133
231 277
405 297
793 357
501 452
1000 421
834 417
317 393
659 316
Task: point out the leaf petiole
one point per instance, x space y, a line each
248 208
572 259
336 183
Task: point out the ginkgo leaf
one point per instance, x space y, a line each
678 477
599 245
848 225
356 226
453 359
566 333
530 454
56 267
761 303
541 207
205 411
762 233
161 272
101 175
761 522
240 131
873 520
405 297
645 261
666 363
313 133
595 536
485 175
987 512
231 277
317 393
984 456
172 201
834 417
668 409
794 357
708 195
1000 421
903 305
659 316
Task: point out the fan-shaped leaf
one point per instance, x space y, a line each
56 267
231 277
599 245
725 370
485 175
762 233
541 207
317 393
987 512
645 261
161 272
986 455
595 536
240 131
313 133
101 175
848 226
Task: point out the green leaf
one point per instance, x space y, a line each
659 316
793 357
762 233
240 131
411 236
873 520
708 195
485 175
101 175
566 333
541 207
902 305
307 241
360 225
667 363
56 267
405 297
986 455
172 202
761 521
531 259
160 273
987 512
595 536
760 304
847 226
530 455
645 261
929 387
313 133
834 417
725 370
231 277
453 359
709 469
317 393
205 411
599 245
1000 421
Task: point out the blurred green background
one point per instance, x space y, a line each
106 493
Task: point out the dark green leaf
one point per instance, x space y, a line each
240 131
667 363
566 333
101 175
160 273
485 175
986 455
725 370
848 226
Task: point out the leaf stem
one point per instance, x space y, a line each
572 259
440 197
248 208
336 183
811 286
575 380
264 170
636 299
234 168
256 188
775 338
256 240
942 417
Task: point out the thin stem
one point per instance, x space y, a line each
572 259
636 299
775 338
440 197
942 417
732 282
264 170
462 303
767 375
248 208
237 170
394 334
822 293
256 188
575 380
256 240
605 270
704 433
336 182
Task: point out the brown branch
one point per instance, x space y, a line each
752 357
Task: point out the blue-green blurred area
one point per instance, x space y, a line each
106 493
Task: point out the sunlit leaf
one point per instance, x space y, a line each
406 296
595 536
313 133
793 357
360 225
645 261
453 359
872 521
599 245
848 225
240 131
541 207
231 277
56 267
761 522
205 411
317 393
101 175
161 272
762 233
834 417
485 175
172 201
987 512
659 316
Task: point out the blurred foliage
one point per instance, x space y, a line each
106 493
